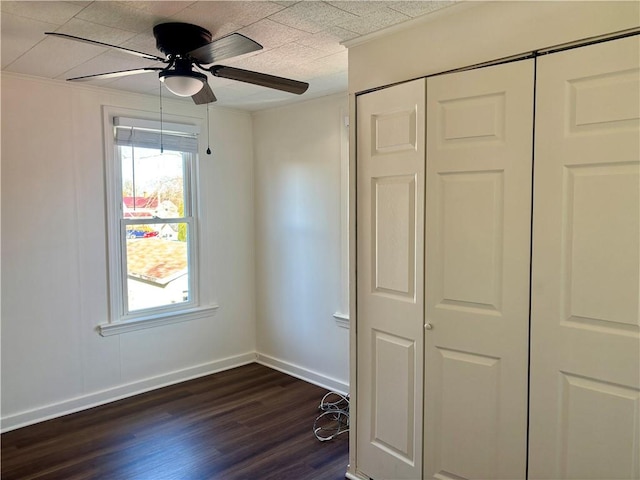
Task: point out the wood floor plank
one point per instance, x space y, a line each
247 423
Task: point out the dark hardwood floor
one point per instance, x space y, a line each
250 422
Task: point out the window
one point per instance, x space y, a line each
153 224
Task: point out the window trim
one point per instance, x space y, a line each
156 320
119 320
342 315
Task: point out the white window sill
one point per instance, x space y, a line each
116 328
342 319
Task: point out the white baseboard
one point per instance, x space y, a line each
304 374
355 476
29 417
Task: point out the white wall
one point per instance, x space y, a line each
54 278
297 154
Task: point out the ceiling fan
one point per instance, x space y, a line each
189 47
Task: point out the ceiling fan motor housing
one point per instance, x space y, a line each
175 38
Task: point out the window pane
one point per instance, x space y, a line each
152 183
157 265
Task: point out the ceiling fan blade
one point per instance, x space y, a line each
119 73
225 47
115 47
204 96
262 79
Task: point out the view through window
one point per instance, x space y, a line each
156 224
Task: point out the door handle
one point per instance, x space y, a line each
428 326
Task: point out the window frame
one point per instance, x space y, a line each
341 316
120 319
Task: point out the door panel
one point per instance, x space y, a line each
471 270
468 402
393 212
478 208
393 373
390 245
585 337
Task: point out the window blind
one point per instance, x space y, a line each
147 134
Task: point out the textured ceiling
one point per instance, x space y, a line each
301 40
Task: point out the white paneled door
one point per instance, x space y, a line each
390 212
478 217
585 350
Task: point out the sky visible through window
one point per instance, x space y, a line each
150 169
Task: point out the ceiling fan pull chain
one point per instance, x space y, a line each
208 133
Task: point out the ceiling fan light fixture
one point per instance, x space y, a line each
183 84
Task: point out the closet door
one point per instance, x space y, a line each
585 342
390 199
479 155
